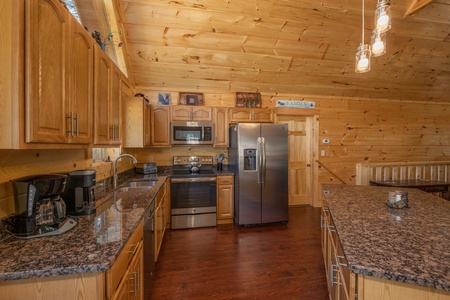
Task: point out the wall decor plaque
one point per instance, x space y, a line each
191 99
248 99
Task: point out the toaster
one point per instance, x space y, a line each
146 168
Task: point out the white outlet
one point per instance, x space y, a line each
326 141
326 192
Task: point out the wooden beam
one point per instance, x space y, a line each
417 5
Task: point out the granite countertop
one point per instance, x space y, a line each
92 246
406 245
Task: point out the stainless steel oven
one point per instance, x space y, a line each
193 193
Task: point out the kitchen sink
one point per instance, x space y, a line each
141 184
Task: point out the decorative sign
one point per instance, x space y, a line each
248 99
296 104
191 99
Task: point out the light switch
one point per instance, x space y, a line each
322 152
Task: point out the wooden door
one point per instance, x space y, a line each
81 92
225 197
147 123
46 80
102 94
181 113
160 126
221 132
136 276
116 116
262 115
301 186
201 114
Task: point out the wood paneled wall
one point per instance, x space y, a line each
359 130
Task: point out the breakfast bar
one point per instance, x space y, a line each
377 252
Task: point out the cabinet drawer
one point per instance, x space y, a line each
225 180
120 266
160 195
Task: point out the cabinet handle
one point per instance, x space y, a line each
331 229
70 116
134 249
77 116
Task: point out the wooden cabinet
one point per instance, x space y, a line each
341 284
221 133
189 113
131 286
79 113
46 71
160 125
167 205
257 115
125 278
107 97
136 122
225 199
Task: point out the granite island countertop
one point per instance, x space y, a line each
406 245
92 246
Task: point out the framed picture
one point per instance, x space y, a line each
163 98
191 99
248 99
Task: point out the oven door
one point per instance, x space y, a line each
193 202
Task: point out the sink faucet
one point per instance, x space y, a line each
133 160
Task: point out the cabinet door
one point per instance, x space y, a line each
46 80
181 113
136 276
102 94
225 197
262 115
240 115
116 116
167 207
201 114
123 290
147 124
221 132
160 126
79 116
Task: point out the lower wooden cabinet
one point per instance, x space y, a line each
341 283
225 199
131 287
159 224
126 274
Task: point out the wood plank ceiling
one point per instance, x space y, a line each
301 47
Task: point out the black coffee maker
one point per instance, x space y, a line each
39 209
79 193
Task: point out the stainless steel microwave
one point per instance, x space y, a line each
192 133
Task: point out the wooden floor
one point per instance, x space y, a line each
280 262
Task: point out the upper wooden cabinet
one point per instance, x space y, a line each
257 115
79 114
160 125
46 71
136 117
107 100
221 127
188 113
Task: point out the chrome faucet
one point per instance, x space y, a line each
133 160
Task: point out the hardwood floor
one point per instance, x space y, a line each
282 261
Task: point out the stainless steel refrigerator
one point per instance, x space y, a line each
258 155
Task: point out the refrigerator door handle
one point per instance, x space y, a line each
263 165
259 160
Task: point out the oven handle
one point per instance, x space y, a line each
199 179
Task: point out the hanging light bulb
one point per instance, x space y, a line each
362 62
378 41
363 53
383 16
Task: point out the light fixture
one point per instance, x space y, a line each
362 61
378 41
383 16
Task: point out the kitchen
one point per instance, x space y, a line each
397 112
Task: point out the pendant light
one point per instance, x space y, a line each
383 16
363 53
378 41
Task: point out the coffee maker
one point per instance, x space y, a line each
39 209
79 193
